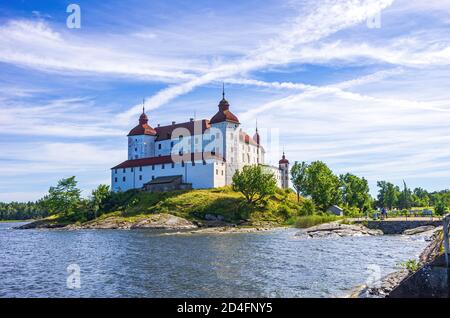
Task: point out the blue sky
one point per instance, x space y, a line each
317 75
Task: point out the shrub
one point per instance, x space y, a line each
412 265
308 208
311 220
352 212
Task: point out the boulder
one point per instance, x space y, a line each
335 229
419 229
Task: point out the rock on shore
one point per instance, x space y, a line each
336 229
162 221
419 229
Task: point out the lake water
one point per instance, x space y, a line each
139 263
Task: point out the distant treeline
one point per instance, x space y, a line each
22 211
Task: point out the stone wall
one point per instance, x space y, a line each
398 227
430 281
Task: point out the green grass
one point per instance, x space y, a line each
231 205
281 208
312 220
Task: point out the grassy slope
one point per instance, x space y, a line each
281 208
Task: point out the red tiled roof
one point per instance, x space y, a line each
194 127
283 160
166 159
143 128
249 140
224 114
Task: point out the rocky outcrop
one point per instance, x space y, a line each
162 221
336 229
229 230
42 224
419 229
383 287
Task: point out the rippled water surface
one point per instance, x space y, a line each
117 263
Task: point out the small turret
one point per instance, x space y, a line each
284 171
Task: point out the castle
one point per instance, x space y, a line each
196 154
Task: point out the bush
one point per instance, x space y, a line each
311 220
440 208
412 265
308 208
352 212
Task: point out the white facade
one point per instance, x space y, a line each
206 153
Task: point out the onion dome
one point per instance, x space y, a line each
224 113
283 160
143 128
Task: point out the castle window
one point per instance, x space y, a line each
204 162
217 171
124 170
193 163
115 179
132 169
135 149
153 167
153 177
124 179
115 171
182 163
222 172
162 166
159 146
173 165
140 168
140 177
171 144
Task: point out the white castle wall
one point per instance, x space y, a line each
202 176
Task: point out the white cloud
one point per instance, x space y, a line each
326 19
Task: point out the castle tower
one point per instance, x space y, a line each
141 139
257 138
225 126
284 169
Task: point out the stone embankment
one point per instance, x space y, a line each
398 226
389 283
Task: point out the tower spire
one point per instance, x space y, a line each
143 105
223 90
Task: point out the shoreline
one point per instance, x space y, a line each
389 282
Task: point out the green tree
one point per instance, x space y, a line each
440 207
64 198
355 191
98 198
255 183
387 194
322 185
298 178
405 199
308 207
